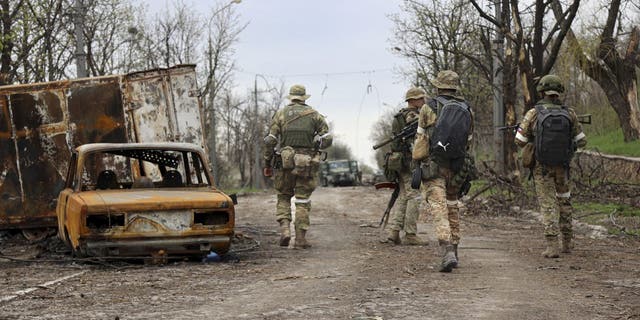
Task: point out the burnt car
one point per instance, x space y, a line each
141 199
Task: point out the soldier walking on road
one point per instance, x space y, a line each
398 168
300 131
550 133
445 128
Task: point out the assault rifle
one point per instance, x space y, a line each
392 201
409 131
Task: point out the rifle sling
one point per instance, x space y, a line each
300 115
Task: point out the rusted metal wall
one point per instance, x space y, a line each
41 123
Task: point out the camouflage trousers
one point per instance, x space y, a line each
289 185
554 199
443 201
405 216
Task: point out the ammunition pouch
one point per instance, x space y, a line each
430 170
305 165
394 161
287 155
389 162
420 148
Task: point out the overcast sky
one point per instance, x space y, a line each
338 49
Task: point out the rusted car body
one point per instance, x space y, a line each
138 199
41 124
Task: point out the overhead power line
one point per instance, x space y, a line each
323 74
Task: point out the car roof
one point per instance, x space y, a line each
178 146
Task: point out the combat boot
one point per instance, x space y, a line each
552 247
455 251
393 237
285 233
566 243
411 239
448 257
301 240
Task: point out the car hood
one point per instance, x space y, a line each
147 200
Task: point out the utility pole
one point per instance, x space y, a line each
498 103
211 134
81 56
257 172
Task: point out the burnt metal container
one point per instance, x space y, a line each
41 123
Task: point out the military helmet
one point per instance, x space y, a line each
550 85
298 92
447 79
414 93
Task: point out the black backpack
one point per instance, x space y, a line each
448 142
553 140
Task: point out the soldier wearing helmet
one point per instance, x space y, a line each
439 181
300 131
550 167
397 168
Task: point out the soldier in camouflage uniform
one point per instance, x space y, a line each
299 127
551 182
437 186
406 211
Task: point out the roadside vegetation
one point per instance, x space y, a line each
612 142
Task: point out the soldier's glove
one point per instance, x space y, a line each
267 171
317 142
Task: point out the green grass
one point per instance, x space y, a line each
598 213
583 208
612 142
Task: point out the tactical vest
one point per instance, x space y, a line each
298 128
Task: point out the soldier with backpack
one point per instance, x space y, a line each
445 128
553 131
398 169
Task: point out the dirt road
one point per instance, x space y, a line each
347 274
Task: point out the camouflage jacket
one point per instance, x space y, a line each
299 126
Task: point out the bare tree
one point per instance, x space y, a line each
108 25
612 65
223 29
9 14
381 131
35 41
175 34
538 43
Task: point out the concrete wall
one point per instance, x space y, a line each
607 167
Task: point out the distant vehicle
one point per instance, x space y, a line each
340 173
375 177
140 199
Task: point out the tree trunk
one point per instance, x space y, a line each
7 44
624 100
616 73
